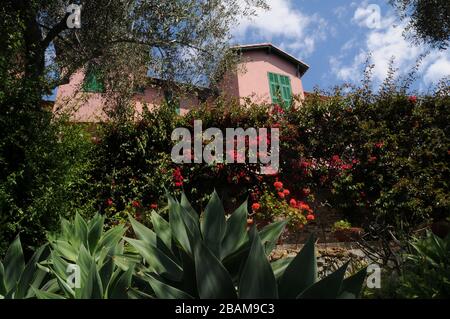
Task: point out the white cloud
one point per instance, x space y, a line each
283 22
437 70
385 42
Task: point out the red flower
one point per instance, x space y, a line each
278 185
346 166
136 204
310 217
305 164
281 195
413 99
306 191
336 159
109 202
154 206
372 159
379 144
178 184
277 109
286 192
293 203
256 206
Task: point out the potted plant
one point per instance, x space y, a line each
344 232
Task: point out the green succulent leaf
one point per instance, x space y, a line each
119 287
95 231
270 234
257 280
162 228
188 207
327 288
142 232
291 283
178 227
40 294
14 265
280 265
214 224
157 260
213 280
30 272
352 286
165 291
236 231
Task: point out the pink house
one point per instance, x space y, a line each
266 74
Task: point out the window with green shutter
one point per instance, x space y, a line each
280 89
93 82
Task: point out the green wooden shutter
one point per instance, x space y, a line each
93 82
275 88
280 87
286 90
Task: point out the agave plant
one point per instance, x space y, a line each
86 262
19 280
211 257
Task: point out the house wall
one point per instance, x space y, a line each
88 107
251 79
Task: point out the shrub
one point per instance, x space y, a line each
43 176
425 272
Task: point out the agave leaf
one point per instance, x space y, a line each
162 228
291 284
110 239
257 280
188 282
213 224
28 274
14 264
157 260
178 227
352 286
165 291
40 294
119 287
97 286
213 280
50 286
280 265
142 232
270 234
65 249
188 207
95 231
327 288
236 231
84 262
2 280
81 231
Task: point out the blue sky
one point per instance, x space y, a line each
335 37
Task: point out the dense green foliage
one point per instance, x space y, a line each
189 256
383 157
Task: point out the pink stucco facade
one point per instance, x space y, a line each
249 81
251 78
